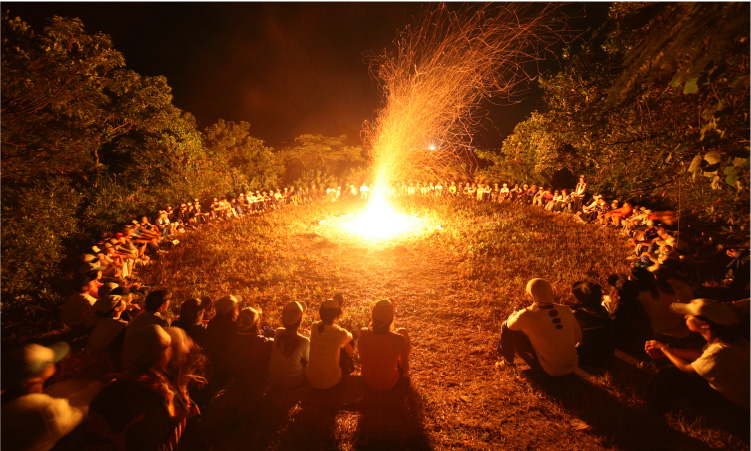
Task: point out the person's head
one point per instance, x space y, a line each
228 307
106 288
707 316
588 293
25 369
110 306
292 314
192 310
85 283
124 293
540 290
329 311
382 316
249 320
147 349
158 301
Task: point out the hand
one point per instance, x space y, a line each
654 349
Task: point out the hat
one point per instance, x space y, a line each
106 289
248 318
120 290
226 304
90 258
119 235
383 312
293 312
91 266
107 303
714 311
540 290
162 212
331 303
30 360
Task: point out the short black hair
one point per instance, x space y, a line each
156 298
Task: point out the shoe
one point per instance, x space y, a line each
503 364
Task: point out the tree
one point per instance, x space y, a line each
623 110
325 153
252 165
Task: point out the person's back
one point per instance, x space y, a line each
288 370
598 337
553 341
379 357
323 369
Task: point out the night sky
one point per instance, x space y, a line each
286 68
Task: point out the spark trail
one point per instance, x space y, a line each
443 67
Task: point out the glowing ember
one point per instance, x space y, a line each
380 222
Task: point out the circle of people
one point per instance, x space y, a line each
650 312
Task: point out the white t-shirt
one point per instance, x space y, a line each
554 341
323 369
726 368
288 372
37 421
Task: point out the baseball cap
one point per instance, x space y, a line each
30 360
383 312
248 318
293 312
226 304
107 303
331 303
714 311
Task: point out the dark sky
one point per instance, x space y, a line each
286 68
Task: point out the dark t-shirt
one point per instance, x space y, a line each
598 337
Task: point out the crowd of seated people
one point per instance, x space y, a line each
161 374
167 371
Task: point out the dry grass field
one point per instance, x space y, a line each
454 281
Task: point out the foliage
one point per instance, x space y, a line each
252 165
329 154
655 105
88 144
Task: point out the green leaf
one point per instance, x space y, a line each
691 87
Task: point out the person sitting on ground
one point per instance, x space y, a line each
544 334
191 319
250 351
616 215
722 366
31 419
78 305
631 323
109 332
155 305
514 193
598 337
219 333
141 408
530 194
539 198
384 355
291 351
326 342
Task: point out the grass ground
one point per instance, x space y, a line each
453 286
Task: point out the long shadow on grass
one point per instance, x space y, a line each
385 420
622 426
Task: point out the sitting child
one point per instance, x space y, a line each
291 351
326 341
384 355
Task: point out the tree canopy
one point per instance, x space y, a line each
654 106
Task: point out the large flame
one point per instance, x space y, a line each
378 221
